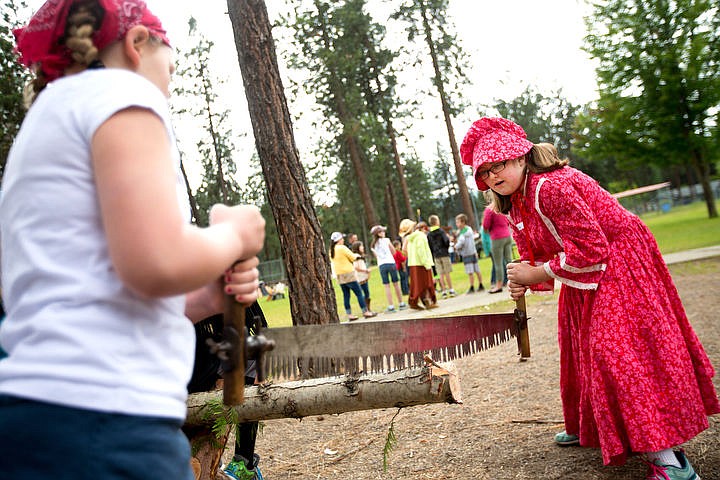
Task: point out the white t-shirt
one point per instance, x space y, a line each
382 251
75 335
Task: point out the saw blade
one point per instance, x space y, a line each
307 351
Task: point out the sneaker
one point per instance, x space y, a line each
471 290
669 472
403 306
237 469
444 294
390 309
564 439
452 293
481 288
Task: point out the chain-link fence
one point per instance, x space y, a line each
272 271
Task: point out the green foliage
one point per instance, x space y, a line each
659 83
420 187
12 80
544 118
221 416
390 441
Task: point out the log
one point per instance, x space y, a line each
416 386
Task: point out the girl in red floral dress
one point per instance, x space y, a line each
634 377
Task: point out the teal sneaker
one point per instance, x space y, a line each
564 439
670 472
238 469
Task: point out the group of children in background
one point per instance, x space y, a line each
415 264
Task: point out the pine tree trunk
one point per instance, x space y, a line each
399 167
464 194
702 170
312 298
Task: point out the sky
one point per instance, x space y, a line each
511 44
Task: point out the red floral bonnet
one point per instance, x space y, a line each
40 43
491 140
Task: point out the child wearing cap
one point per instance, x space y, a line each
385 253
343 261
100 294
634 376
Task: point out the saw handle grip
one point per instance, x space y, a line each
234 332
523 338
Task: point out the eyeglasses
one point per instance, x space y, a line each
494 168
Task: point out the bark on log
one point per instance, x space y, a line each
207 449
416 386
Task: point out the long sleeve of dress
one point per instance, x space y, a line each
583 254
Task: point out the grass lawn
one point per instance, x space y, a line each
683 228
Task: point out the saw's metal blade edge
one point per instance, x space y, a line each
387 337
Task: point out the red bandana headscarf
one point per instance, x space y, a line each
39 42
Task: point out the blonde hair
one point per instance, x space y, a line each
434 220
542 157
83 19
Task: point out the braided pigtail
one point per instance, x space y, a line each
83 20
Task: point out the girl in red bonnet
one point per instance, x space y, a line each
634 377
102 272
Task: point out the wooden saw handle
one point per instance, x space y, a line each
234 332
523 336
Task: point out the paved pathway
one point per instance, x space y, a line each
464 301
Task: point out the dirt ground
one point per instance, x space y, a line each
504 429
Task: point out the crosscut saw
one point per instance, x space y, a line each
310 351
377 346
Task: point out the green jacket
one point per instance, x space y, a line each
418 250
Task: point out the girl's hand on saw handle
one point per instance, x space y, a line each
242 279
